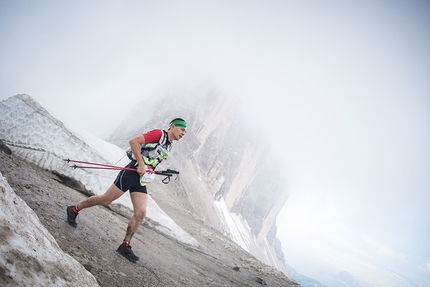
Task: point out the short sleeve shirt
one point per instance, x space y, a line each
153 136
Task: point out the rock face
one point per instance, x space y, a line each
232 162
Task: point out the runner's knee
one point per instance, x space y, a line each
140 214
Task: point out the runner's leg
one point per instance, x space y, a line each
105 199
139 201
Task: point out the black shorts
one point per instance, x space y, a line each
129 180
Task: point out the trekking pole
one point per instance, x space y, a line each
94 165
104 167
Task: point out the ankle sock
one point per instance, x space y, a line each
126 243
76 208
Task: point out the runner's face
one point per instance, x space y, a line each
178 132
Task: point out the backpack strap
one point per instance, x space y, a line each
164 138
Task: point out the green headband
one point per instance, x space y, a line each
179 123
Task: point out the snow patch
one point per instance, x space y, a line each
235 225
240 234
30 256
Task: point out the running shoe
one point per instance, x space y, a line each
71 216
127 253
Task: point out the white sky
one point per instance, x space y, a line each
343 84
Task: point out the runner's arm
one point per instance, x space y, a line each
135 149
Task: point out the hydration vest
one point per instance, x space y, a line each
153 153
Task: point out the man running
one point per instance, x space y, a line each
146 152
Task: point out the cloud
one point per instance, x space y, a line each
314 238
384 250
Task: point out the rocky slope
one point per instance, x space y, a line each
164 261
38 137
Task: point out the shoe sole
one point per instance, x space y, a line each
132 260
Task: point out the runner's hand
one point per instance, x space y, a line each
141 169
